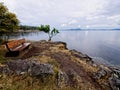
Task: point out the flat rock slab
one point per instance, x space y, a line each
33 68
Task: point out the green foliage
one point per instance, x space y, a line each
3 10
54 32
8 20
26 27
46 29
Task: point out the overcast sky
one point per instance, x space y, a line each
67 13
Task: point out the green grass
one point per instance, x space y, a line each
3 59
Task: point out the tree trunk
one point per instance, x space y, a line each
49 39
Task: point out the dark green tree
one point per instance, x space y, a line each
26 27
8 20
46 29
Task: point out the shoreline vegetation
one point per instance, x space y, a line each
27 31
51 66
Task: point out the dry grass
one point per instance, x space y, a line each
25 82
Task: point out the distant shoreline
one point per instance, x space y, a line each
28 30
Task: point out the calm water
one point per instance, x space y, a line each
101 45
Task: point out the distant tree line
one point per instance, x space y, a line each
26 27
8 20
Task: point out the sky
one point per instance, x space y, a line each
66 14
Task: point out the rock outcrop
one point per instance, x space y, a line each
33 68
70 69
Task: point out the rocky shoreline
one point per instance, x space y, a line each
68 67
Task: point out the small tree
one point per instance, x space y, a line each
46 29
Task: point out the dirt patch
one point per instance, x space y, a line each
67 65
34 51
31 52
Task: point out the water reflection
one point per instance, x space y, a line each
27 35
100 44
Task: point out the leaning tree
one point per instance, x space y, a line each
46 29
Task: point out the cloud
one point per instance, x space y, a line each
63 25
72 22
66 13
115 18
91 17
112 8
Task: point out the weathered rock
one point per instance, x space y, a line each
61 79
18 66
6 70
115 70
41 69
111 74
101 73
33 68
78 54
1 69
115 78
117 83
70 78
